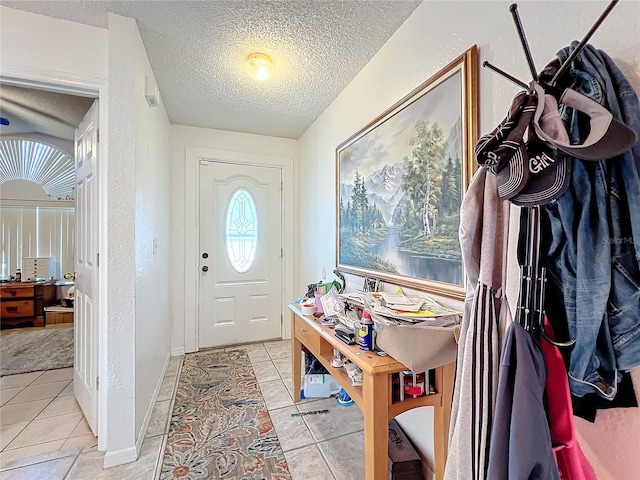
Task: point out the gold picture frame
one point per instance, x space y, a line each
400 182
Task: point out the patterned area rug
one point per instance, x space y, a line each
220 426
23 351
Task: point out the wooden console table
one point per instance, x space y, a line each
375 396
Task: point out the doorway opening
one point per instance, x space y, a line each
39 229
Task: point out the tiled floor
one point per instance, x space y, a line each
319 446
45 436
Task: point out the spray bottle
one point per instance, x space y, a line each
366 332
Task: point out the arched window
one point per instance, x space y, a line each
49 167
242 230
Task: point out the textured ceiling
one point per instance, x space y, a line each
197 50
36 111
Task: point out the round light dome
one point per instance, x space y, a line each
259 66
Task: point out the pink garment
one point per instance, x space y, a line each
572 464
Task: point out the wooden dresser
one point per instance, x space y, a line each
25 302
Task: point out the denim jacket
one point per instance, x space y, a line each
592 261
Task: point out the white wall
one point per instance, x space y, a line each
153 319
37 45
119 386
433 35
139 317
183 216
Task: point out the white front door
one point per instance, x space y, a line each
85 358
241 256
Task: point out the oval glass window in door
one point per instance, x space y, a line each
242 230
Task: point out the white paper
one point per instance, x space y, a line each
396 299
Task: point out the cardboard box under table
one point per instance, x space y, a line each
54 315
420 347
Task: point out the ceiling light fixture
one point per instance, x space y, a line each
259 66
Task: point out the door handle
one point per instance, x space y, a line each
12 309
205 269
70 275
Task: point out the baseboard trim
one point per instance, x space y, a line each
147 417
177 352
120 457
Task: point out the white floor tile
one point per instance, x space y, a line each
290 427
54 376
46 430
9 432
89 466
85 440
19 380
7 394
61 406
265 372
283 365
307 463
22 412
345 466
173 366
39 392
51 470
159 418
257 353
166 389
82 428
19 457
279 349
337 422
68 390
275 395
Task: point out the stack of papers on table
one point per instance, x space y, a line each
396 309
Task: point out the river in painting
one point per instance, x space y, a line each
419 265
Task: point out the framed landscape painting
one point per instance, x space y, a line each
400 183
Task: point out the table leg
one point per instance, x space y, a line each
375 391
441 417
296 360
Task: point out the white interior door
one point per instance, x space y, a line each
241 254
85 359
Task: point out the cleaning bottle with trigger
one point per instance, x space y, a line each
366 332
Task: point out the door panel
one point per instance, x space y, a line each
241 237
85 315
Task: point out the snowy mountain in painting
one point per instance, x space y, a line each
385 182
384 188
